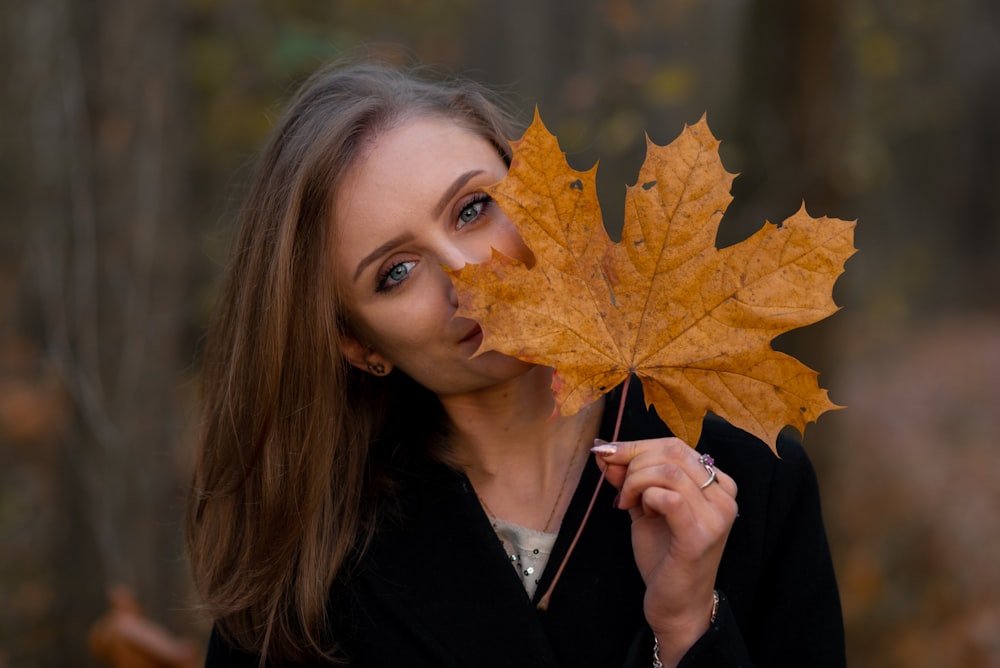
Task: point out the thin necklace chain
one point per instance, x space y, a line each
565 480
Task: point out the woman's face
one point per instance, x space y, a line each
412 204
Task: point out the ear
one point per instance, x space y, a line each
364 357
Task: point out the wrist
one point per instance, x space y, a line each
658 662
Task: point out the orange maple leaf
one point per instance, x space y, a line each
693 322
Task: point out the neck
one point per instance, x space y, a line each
523 462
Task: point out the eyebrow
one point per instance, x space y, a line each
448 195
381 250
455 186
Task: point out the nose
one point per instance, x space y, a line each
476 248
452 293
456 255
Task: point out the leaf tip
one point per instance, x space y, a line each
701 124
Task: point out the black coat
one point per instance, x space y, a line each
436 590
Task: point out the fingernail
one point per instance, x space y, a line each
602 447
618 501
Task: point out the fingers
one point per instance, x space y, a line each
667 465
680 521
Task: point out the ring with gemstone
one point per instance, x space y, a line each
708 462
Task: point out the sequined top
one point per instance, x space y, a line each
527 549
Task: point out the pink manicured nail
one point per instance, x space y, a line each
602 447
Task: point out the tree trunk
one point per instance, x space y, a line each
102 254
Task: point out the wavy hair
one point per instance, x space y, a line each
288 475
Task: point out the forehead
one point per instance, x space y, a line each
420 140
407 168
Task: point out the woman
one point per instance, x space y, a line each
368 493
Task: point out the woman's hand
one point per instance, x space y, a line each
679 530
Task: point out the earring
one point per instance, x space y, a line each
377 369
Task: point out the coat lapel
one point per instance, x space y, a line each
441 559
438 569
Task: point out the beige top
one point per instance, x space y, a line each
527 549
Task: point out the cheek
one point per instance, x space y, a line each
402 328
509 243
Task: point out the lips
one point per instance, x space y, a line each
475 332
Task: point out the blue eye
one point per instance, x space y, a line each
473 209
394 275
398 272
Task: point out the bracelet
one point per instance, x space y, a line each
711 620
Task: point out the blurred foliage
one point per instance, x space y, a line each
129 126
911 508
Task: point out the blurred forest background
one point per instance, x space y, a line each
127 130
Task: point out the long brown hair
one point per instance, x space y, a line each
283 499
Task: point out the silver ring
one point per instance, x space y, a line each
708 462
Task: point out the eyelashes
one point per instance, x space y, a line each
393 276
473 208
470 211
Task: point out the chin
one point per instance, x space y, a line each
505 366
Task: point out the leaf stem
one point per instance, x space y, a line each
543 603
